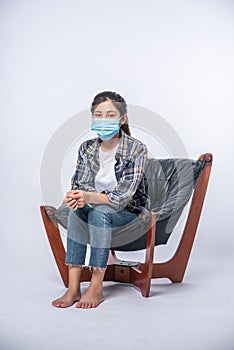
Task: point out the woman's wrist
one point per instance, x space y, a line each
95 198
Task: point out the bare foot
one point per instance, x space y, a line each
92 298
68 299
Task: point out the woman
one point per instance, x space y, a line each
109 189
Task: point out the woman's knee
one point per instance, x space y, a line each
77 219
81 213
71 216
100 216
77 228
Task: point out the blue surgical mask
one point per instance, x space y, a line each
106 128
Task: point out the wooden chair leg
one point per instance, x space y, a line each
175 268
57 247
55 241
141 275
136 273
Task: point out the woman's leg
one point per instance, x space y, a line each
77 238
101 220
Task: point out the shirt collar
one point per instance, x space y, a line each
122 149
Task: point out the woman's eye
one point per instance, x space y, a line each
100 116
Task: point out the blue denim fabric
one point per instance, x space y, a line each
93 225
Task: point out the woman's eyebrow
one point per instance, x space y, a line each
107 111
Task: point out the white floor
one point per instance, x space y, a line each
195 315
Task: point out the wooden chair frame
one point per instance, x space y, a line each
140 274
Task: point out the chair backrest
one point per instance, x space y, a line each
170 184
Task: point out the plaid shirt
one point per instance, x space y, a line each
131 191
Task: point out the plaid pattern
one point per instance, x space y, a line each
131 191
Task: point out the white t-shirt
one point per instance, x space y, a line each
105 178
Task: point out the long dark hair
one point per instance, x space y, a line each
117 100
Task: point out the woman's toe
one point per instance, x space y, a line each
55 303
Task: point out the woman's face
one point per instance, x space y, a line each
106 109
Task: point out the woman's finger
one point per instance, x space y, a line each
71 193
74 206
72 203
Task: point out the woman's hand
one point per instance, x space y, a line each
79 198
75 199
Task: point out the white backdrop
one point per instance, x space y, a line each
172 57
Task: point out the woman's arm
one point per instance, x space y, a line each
130 179
83 178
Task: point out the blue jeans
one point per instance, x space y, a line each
94 225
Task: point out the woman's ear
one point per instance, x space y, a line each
124 119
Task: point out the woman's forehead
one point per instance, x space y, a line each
106 106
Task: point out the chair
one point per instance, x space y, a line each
172 183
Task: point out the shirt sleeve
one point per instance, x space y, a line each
82 178
129 181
